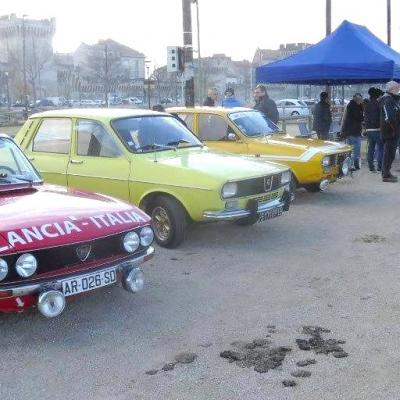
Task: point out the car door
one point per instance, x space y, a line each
49 149
213 130
98 161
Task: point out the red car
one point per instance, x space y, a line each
56 242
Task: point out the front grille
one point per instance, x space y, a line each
56 258
250 187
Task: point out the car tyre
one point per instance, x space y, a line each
313 187
169 221
295 114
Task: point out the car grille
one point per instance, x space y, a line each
56 258
260 185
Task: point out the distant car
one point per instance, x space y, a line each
88 103
45 103
166 100
292 108
310 102
56 243
132 100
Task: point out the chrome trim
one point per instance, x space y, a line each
232 214
50 283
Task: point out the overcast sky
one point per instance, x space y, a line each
233 27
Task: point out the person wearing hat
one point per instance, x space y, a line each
372 128
230 100
389 105
322 117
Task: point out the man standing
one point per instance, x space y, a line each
390 128
372 127
212 96
322 117
230 100
264 104
351 127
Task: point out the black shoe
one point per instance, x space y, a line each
372 168
391 179
379 169
356 165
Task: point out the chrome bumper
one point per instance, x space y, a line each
21 289
237 213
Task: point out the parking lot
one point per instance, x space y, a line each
332 261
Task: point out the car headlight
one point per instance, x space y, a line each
3 269
131 242
229 190
146 236
326 161
346 166
26 265
286 177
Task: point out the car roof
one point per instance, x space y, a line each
108 113
294 100
212 109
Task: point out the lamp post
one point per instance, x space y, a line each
8 91
148 82
199 66
24 65
389 22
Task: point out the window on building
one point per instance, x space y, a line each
212 127
95 141
53 136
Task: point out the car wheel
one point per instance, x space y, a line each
294 113
169 221
313 187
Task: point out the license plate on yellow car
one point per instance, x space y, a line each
269 214
267 197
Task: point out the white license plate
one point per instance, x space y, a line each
89 282
266 215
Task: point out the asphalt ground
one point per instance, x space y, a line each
332 261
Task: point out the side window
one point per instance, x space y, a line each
95 141
289 103
188 118
53 136
212 127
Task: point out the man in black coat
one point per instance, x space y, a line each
265 104
322 117
389 105
212 96
352 127
372 127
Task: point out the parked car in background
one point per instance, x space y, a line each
132 100
314 163
152 160
56 243
88 103
166 100
292 108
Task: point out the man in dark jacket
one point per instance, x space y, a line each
212 97
351 127
390 127
322 117
264 104
372 127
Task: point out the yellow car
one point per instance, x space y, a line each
314 163
152 160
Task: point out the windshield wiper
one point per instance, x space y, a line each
4 179
177 142
156 146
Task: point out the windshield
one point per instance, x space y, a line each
14 167
154 133
253 123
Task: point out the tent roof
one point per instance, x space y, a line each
350 54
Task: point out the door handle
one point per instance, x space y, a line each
76 161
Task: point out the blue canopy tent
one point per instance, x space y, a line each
349 55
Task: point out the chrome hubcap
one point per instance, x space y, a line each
161 223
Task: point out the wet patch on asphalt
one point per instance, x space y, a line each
372 238
181 358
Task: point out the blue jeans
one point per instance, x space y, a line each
375 147
355 141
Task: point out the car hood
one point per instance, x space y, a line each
54 216
288 147
205 168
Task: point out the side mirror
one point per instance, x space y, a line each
231 137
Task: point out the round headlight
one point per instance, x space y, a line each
286 177
26 265
229 189
326 161
131 242
3 269
146 236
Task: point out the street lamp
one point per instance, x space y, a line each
8 91
148 82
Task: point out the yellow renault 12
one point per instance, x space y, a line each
152 160
314 163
